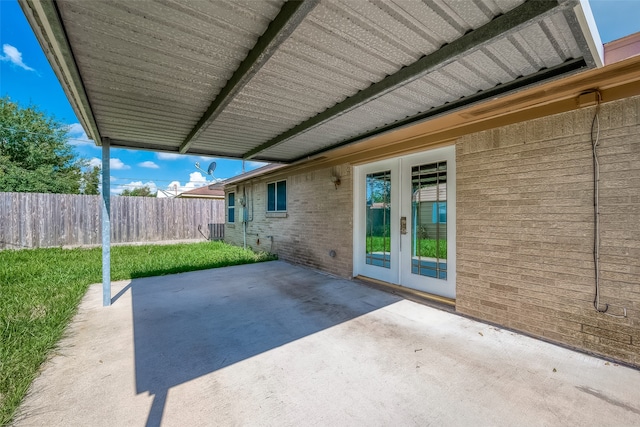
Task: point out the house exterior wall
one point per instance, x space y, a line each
319 219
525 228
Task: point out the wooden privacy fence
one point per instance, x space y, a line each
34 220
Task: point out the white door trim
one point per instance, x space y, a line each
443 287
359 225
400 271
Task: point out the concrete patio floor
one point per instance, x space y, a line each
277 344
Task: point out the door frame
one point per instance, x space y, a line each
399 274
360 224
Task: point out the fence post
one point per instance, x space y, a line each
106 224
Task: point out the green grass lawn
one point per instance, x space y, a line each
427 247
40 290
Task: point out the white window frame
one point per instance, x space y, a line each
231 219
275 193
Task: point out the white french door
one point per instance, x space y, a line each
404 221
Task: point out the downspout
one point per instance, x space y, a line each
244 213
244 216
106 224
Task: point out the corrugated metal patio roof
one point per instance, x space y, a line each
281 81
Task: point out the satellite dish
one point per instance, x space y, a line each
211 168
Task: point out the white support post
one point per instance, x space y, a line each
106 224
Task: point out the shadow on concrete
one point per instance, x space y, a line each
189 325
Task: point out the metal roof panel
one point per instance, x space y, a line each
238 76
499 62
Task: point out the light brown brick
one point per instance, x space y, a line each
525 228
605 333
319 219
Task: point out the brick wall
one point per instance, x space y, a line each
525 228
319 219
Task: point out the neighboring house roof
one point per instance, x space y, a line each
256 172
621 49
215 191
282 81
379 205
428 194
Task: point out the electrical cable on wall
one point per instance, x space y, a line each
595 139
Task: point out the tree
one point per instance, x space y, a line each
35 155
140 191
90 181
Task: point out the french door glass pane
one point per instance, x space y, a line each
378 237
429 220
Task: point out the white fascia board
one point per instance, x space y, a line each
590 30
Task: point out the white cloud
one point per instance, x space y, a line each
115 164
197 177
76 129
14 56
77 135
169 156
148 164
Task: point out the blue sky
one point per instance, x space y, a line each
27 78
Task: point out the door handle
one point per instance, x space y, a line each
403 225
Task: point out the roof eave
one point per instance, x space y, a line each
198 196
44 18
615 81
45 21
589 30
